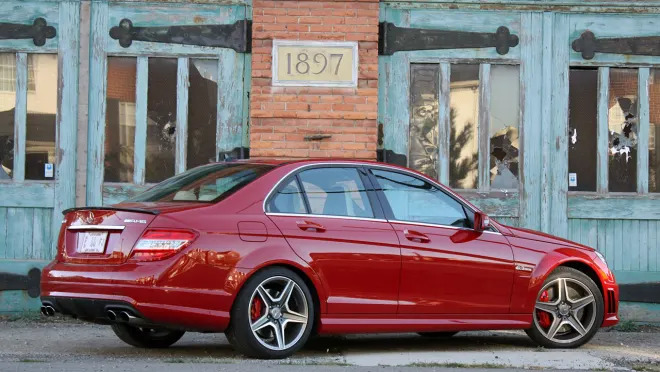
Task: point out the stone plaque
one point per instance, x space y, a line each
315 63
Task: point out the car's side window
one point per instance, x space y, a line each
288 199
415 200
336 192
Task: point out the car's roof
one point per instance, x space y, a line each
279 161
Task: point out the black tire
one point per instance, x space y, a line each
239 333
537 333
146 337
437 334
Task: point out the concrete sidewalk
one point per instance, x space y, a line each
76 346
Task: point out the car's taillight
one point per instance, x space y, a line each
157 244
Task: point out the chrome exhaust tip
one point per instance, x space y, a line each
48 310
126 317
43 310
111 315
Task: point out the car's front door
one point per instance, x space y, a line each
331 220
447 267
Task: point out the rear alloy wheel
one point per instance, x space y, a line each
273 315
568 310
145 337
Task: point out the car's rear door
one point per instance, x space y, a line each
447 267
332 220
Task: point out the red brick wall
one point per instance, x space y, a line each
623 82
282 116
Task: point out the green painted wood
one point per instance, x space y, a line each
645 207
67 117
531 44
114 193
644 246
25 12
602 139
601 239
20 117
141 94
654 245
247 81
229 128
3 233
444 123
19 232
547 77
643 130
483 126
617 244
634 244
42 247
626 238
28 194
397 132
182 84
98 68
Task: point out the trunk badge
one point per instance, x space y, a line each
135 221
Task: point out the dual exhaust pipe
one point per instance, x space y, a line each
48 310
121 317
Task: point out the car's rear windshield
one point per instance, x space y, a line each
207 184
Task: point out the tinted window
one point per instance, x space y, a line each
414 200
207 183
288 199
336 192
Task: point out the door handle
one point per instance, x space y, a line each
415 236
310 226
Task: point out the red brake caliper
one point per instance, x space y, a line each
256 308
544 318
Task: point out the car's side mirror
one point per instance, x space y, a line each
481 221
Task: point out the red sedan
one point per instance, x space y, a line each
270 252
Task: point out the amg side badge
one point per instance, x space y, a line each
524 268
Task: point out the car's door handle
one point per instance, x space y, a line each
310 226
415 236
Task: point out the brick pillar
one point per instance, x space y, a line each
281 117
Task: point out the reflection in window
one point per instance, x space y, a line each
336 192
120 119
7 106
202 111
622 124
414 200
289 199
654 131
41 115
161 119
464 118
424 92
504 124
582 122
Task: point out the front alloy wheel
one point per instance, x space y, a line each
272 316
568 310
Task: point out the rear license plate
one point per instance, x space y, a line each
92 242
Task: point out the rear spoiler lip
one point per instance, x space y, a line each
139 210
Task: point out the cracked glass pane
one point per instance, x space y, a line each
202 111
464 118
7 106
504 124
424 118
654 131
120 119
161 119
622 124
582 129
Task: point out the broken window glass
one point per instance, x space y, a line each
424 118
654 131
161 119
41 118
202 111
120 119
464 118
504 125
622 124
7 108
582 129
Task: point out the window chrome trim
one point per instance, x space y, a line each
367 165
96 227
441 226
324 216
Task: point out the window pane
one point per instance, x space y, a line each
654 131
120 119
289 199
412 199
582 122
41 115
424 118
504 123
336 192
161 119
7 106
464 118
202 111
622 122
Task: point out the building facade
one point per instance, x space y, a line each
544 113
